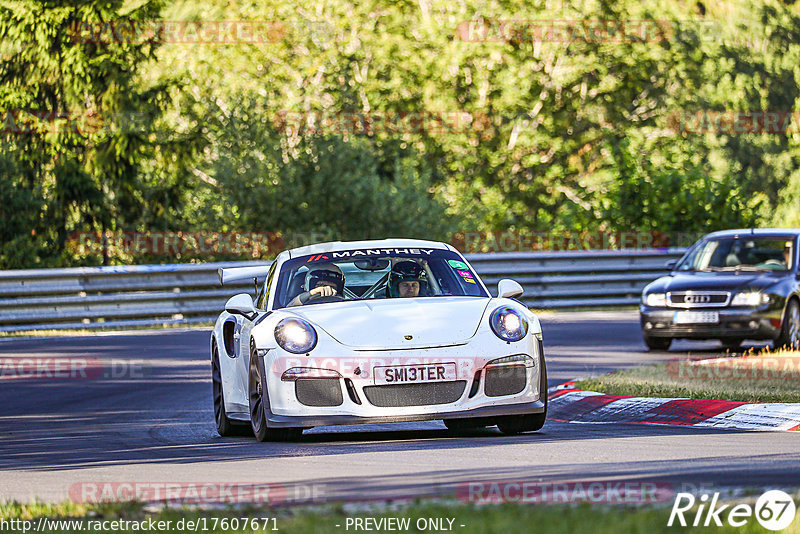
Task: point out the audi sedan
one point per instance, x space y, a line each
731 285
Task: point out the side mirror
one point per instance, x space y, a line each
508 289
241 304
671 264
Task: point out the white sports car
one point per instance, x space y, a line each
374 332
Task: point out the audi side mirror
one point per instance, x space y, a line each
671 264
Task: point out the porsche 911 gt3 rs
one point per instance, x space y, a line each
374 332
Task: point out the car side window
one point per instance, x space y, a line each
263 297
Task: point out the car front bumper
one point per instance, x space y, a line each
287 407
760 323
308 421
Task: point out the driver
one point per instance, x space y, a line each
323 280
406 279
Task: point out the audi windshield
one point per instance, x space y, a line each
742 253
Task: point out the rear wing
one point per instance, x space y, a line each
237 274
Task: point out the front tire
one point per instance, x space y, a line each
516 424
225 427
257 395
657 343
732 343
467 425
790 331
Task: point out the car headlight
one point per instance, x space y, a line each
295 335
750 298
655 299
508 324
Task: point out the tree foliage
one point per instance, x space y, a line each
575 133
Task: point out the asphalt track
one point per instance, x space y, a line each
156 425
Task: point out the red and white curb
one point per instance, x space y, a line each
571 405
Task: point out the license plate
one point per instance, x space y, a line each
694 317
415 374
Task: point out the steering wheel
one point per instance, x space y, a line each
324 300
773 263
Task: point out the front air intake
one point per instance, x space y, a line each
397 395
505 380
319 391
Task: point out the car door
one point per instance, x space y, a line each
243 328
229 358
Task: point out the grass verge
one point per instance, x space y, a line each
100 330
556 311
765 377
504 518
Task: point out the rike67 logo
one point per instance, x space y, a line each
774 510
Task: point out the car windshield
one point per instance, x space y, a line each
375 274
742 253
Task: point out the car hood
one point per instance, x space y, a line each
384 324
711 281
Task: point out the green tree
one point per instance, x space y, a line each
82 149
346 188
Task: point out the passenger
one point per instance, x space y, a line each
406 279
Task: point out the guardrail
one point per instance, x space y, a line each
580 279
150 295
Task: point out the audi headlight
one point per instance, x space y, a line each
750 298
295 335
508 324
655 299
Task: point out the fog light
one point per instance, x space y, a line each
648 325
516 359
296 373
753 324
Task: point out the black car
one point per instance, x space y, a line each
732 285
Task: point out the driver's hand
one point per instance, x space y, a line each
323 291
